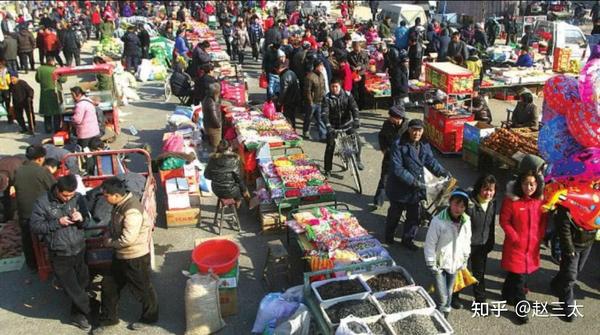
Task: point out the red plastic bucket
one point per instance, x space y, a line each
217 255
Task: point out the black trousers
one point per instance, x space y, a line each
27 244
290 112
42 55
70 55
56 55
52 123
24 108
254 49
136 273
414 68
379 198
330 149
563 282
359 92
411 225
513 289
23 57
73 275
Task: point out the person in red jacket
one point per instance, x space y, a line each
96 21
524 226
308 37
345 73
51 45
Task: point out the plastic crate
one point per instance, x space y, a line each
368 275
12 263
435 314
326 305
420 290
449 77
360 295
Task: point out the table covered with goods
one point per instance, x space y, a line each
509 146
444 119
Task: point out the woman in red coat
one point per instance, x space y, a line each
523 223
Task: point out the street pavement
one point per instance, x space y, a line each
28 306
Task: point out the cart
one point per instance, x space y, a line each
109 164
107 99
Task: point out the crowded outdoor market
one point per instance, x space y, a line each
299 167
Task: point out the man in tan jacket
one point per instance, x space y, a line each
130 236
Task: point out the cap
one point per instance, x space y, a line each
397 111
415 123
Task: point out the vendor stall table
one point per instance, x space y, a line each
508 146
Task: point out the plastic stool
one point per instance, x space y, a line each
222 205
277 263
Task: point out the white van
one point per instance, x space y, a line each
402 12
564 35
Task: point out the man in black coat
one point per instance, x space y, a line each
339 112
397 65
290 95
457 47
131 49
391 130
273 36
71 46
59 217
444 41
22 96
144 38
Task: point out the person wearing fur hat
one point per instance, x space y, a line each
524 227
448 246
391 130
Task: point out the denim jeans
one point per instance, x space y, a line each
444 285
314 111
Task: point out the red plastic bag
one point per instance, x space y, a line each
262 81
269 110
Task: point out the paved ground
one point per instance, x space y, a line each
31 307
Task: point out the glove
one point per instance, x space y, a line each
356 124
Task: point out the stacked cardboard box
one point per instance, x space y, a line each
473 134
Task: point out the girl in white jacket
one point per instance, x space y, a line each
447 247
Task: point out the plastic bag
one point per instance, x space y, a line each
273 310
202 308
297 324
464 278
174 143
269 110
172 163
262 81
353 326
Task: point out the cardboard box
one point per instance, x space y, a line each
173 185
474 132
178 200
228 301
183 217
471 157
195 199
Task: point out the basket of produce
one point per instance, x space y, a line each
404 301
337 289
508 142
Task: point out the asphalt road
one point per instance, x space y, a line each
28 306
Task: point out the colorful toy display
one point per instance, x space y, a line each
589 82
561 92
555 142
584 124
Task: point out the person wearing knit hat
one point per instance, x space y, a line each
391 130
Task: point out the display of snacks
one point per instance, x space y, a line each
378 84
254 128
449 77
508 142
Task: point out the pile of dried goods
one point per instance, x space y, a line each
340 288
378 328
402 301
387 281
358 308
508 142
417 325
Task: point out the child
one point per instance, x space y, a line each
447 247
524 227
482 212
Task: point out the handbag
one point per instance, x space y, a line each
464 278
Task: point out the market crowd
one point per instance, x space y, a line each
312 70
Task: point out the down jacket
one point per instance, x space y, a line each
85 119
447 247
61 240
131 232
223 169
524 226
339 111
407 170
289 89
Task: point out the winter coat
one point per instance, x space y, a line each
407 170
346 75
524 227
272 36
525 115
144 38
401 35
388 134
22 93
571 236
131 232
385 31
48 99
339 111
31 181
211 110
9 47
289 89
223 169
456 49
483 222
255 32
107 29
181 45
202 85
85 119
297 63
26 41
444 43
273 85
358 59
240 37
51 42
399 80
69 41
314 88
96 19
61 240
132 45
447 247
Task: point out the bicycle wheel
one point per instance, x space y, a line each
355 175
168 91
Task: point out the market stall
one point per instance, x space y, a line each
504 81
445 118
509 146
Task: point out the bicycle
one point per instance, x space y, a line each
346 147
